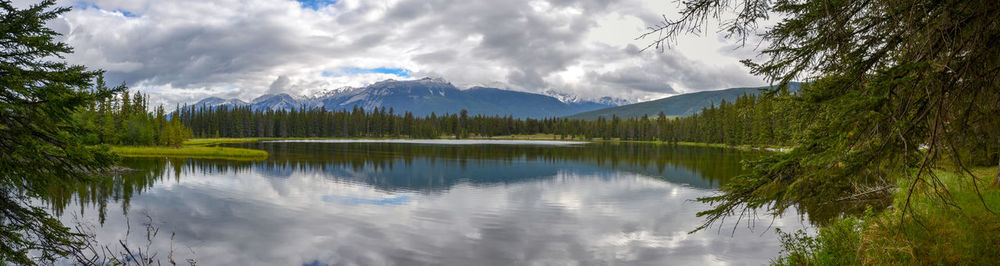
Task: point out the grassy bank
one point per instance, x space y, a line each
217 141
963 228
190 152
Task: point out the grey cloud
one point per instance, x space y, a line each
409 10
659 73
637 79
194 54
529 45
698 75
369 40
206 48
436 57
279 85
525 79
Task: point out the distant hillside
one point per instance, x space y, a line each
679 105
429 95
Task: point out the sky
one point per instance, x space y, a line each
181 51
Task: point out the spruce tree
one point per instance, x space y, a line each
897 88
40 140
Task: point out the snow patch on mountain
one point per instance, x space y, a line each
216 101
614 101
280 101
572 99
332 93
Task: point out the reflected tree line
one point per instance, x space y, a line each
419 168
95 194
703 167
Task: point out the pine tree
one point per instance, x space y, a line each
40 141
887 77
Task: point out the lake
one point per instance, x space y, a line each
431 202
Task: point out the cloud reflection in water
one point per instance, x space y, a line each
573 215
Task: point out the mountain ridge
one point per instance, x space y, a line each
677 105
425 96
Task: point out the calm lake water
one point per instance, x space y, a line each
431 202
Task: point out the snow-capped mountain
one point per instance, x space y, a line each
280 101
432 95
216 102
331 93
562 96
571 98
421 96
607 100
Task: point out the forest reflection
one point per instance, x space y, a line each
420 168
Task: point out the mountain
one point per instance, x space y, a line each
421 97
427 95
606 100
432 95
497 101
573 99
679 105
280 101
216 102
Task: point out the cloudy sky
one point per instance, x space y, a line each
183 50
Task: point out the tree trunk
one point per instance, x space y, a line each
996 181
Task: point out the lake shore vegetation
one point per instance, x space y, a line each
201 152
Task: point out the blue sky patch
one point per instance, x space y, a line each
84 5
126 13
355 71
316 4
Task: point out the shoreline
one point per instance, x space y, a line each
207 148
217 141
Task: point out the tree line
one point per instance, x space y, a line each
125 119
749 120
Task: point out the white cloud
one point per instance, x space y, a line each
184 50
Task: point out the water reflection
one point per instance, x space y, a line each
393 166
391 203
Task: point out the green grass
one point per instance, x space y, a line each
217 141
190 152
943 225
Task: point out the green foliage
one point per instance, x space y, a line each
42 140
895 86
964 229
174 134
835 244
126 120
958 231
191 152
